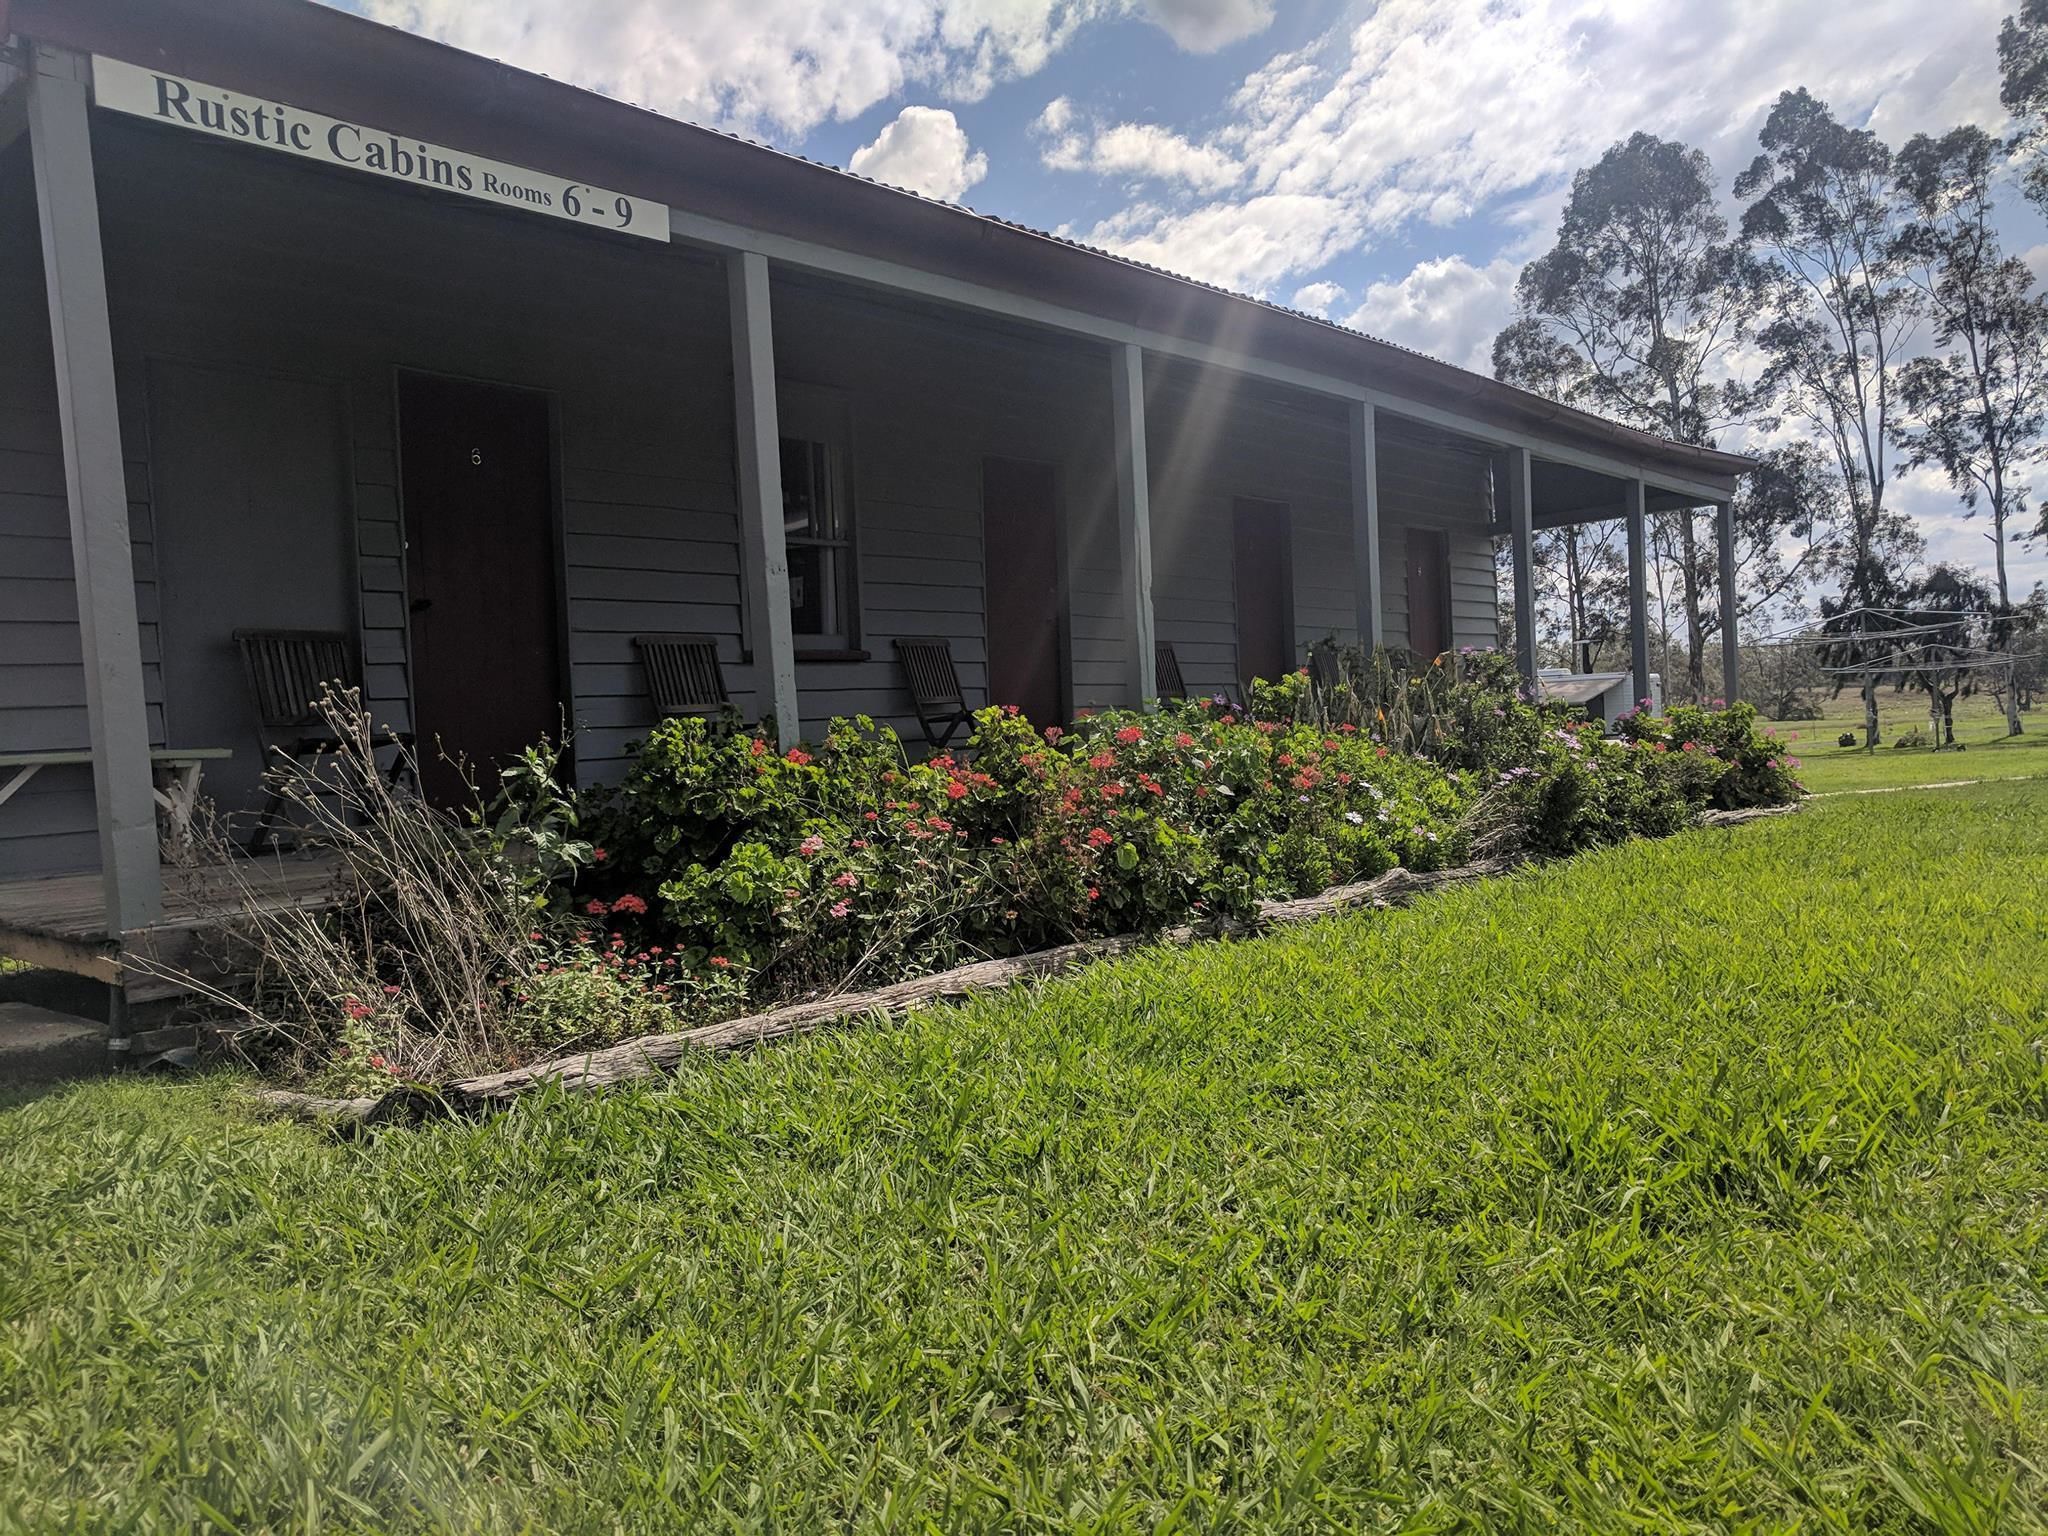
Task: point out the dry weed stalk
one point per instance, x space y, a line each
413 943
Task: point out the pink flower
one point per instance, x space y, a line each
721 962
846 880
1053 733
1098 837
956 790
595 909
534 936
1130 735
798 756
841 908
1102 760
630 903
811 846
1094 894
758 747
392 991
599 854
1183 739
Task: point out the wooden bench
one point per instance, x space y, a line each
175 770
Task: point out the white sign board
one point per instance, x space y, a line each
226 114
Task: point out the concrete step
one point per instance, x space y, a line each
41 1045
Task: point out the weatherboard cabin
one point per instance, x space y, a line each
311 327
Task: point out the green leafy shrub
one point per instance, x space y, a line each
848 863
723 871
595 990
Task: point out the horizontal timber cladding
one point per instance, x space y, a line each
930 396
1213 437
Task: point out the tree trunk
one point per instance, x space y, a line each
1695 625
1871 736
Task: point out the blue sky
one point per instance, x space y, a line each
1390 164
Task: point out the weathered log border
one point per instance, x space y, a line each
650 1055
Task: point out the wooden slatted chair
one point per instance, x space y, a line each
683 675
1166 673
934 688
287 669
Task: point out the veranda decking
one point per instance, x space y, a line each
60 922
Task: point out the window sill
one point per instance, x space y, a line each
831 655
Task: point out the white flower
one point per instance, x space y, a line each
1354 818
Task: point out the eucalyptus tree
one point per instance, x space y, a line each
1634 313
1838 315
2023 91
1976 407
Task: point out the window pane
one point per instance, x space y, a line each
809 502
815 598
799 495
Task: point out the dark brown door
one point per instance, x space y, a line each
1429 592
1021 564
1264 556
480 568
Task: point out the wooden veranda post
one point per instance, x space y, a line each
1133 519
1731 654
1638 592
1522 535
95 488
760 473
1365 523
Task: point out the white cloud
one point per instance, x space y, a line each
1317 298
1135 151
925 150
1057 116
788 65
1203 26
1249 246
1426 113
1447 308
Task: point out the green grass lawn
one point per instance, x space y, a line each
1988 753
1694 1185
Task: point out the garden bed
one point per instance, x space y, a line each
726 880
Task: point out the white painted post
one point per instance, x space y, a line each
1134 519
1365 524
760 467
1638 591
95 486
1731 667
1522 535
